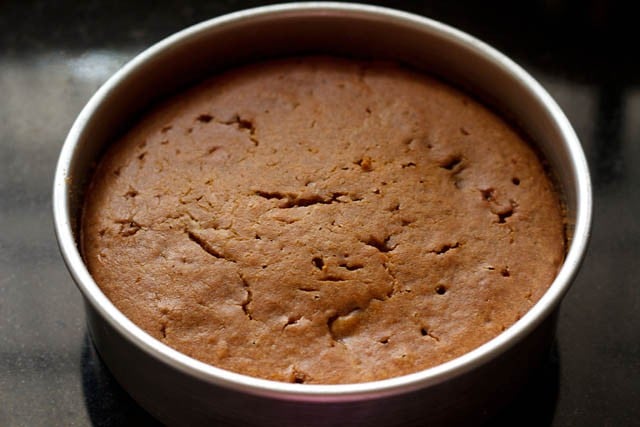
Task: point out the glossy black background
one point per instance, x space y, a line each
54 55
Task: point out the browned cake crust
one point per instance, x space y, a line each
322 221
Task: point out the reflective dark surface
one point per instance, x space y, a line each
53 56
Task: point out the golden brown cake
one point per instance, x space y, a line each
319 220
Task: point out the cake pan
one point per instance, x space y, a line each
179 390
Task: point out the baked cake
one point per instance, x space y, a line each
322 220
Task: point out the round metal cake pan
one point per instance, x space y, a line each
179 390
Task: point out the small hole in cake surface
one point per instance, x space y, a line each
515 181
487 194
381 245
505 272
451 162
163 330
205 118
424 332
502 217
132 192
351 267
441 290
292 320
245 124
384 340
318 262
446 248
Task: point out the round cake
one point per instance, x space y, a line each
322 220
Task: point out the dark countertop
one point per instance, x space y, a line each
54 55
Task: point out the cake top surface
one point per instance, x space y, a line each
322 220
